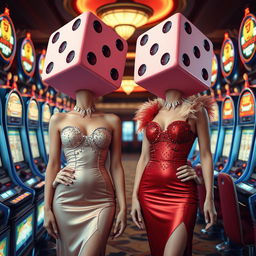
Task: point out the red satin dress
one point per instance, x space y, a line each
167 202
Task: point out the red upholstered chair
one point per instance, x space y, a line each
237 224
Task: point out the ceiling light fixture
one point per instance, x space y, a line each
125 16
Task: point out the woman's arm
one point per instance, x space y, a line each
117 173
51 171
144 158
207 165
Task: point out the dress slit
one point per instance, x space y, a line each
172 232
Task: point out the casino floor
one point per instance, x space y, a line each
133 241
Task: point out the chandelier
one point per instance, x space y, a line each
128 85
125 16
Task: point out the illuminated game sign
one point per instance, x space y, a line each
214 70
28 56
24 232
227 110
33 110
227 56
14 106
46 113
39 68
246 106
247 37
41 63
7 38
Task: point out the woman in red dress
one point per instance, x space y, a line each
165 192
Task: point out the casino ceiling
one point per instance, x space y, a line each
212 17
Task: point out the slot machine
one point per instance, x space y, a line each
36 161
247 188
16 197
229 60
21 155
33 133
32 172
244 136
214 134
56 109
224 154
39 69
246 40
45 116
216 82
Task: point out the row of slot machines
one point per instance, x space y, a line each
24 153
232 129
233 147
24 141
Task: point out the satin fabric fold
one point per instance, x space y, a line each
165 200
79 207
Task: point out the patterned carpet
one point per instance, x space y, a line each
134 241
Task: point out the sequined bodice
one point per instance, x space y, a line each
81 149
172 144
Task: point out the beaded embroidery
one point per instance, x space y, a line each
73 137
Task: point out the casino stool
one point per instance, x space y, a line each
237 223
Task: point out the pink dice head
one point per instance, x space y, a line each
173 55
85 54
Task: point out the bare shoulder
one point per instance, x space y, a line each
113 119
57 118
202 115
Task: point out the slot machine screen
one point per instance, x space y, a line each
56 110
24 232
245 144
34 143
227 142
127 130
46 141
46 113
214 137
14 106
4 244
15 145
33 110
40 214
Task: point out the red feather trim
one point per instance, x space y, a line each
148 110
146 113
